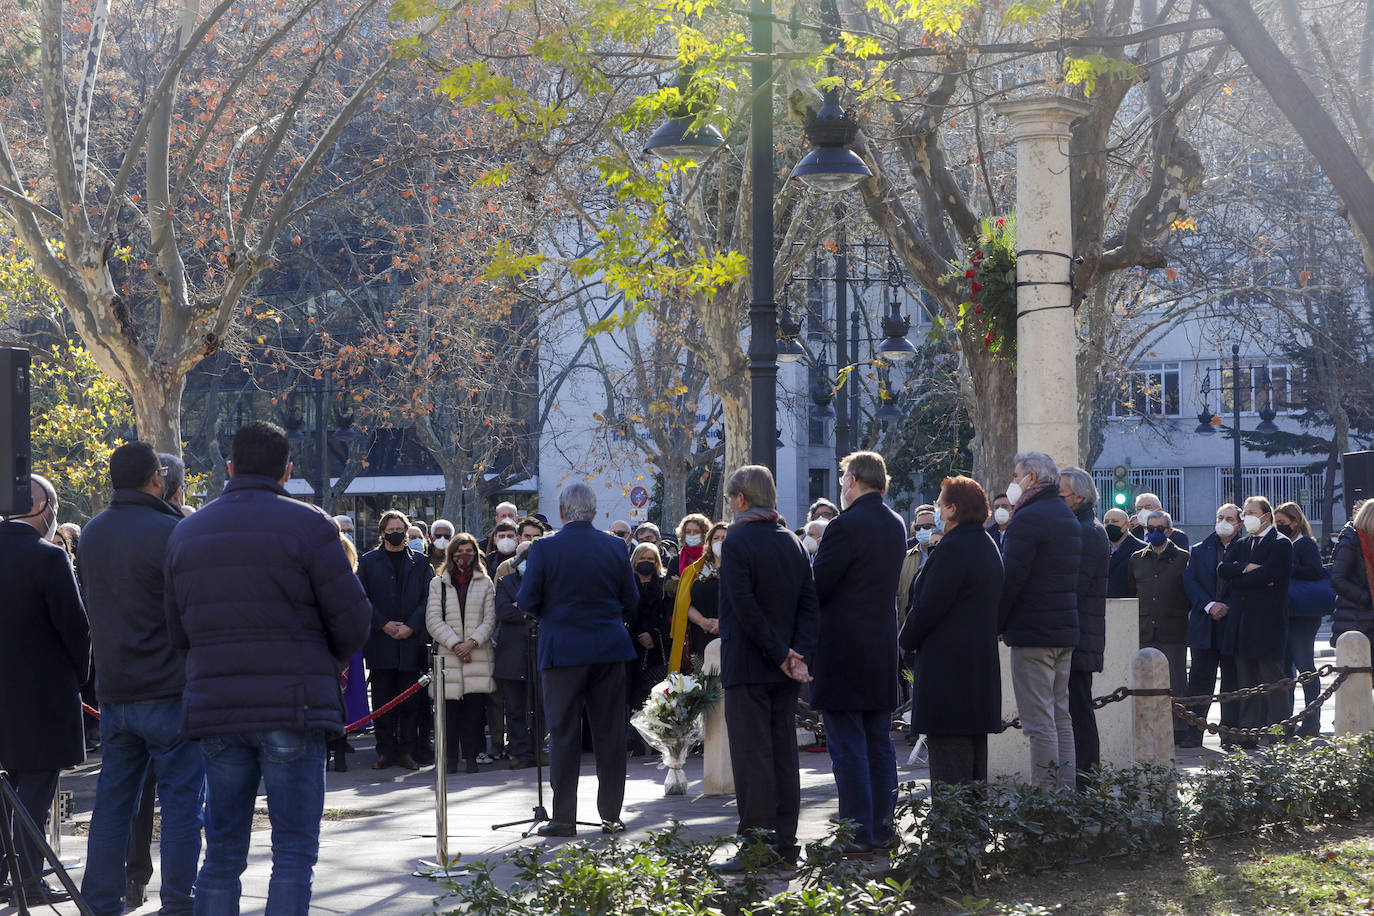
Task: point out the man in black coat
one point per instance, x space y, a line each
856 572
1123 545
1041 553
1080 494
45 647
769 618
140 677
1255 573
396 580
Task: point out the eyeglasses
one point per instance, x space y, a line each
928 526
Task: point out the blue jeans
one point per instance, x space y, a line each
291 765
865 770
134 735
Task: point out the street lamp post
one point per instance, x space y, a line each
1266 414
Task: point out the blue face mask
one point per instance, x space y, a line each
940 523
1156 537
923 535
520 567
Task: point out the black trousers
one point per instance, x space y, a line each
138 867
35 789
1267 709
515 696
465 727
958 758
1202 681
397 731
1087 748
761 721
599 691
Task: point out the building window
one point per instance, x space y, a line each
1262 385
1166 483
818 484
1149 390
1278 484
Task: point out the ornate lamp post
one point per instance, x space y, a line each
1267 414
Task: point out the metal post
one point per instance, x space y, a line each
1236 498
855 440
763 309
442 866
842 446
320 419
55 820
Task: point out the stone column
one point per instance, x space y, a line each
1046 379
1354 702
1153 740
717 777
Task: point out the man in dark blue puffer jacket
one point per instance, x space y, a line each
261 596
1041 553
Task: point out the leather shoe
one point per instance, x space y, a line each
383 762
135 895
553 828
407 762
41 894
852 850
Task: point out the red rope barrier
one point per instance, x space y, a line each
90 711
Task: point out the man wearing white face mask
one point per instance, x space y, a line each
1256 570
815 530
1146 503
1211 627
442 531
512 657
1001 518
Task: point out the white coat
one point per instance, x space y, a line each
449 629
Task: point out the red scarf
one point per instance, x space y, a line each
1038 488
687 557
1367 548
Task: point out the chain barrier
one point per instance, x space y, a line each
1181 704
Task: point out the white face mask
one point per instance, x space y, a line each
1142 517
520 567
505 545
811 544
715 548
1252 524
1002 515
440 543
418 544
693 540
1225 529
1014 492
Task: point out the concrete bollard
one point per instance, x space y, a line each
716 775
1354 698
1152 716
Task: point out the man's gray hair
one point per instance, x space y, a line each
443 523
1039 464
1160 513
1081 484
651 527
1149 496
507 505
755 483
577 503
341 520
176 473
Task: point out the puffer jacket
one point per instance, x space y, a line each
1041 552
1092 592
451 623
1354 609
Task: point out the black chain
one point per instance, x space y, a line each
1227 731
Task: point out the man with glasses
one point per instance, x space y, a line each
1155 576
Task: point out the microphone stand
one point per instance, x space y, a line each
9 803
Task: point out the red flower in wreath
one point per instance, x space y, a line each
970 274
976 287
1001 221
987 341
977 310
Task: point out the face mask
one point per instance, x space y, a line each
418 545
440 543
1001 516
1014 492
645 568
464 560
395 538
349 535
1285 530
1156 537
505 545
1224 529
939 523
715 548
1142 517
1114 533
1252 524
520 567
693 540
923 535
522 548
811 544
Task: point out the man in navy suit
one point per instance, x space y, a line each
579 583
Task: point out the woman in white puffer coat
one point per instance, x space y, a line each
461 616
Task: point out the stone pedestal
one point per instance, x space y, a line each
1046 380
1153 719
716 776
1009 754
1354 700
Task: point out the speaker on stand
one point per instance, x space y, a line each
15 464
1357 479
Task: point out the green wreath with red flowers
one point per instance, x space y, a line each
989 312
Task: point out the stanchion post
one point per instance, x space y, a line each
1354 700
717 776
55 820
441 866
1153 716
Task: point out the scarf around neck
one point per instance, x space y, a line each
756 514
1033 491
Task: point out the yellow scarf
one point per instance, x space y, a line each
681 603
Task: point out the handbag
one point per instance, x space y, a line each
1311 597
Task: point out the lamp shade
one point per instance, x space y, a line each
895 347
888 412
831 166
1204 423
677 139
789 351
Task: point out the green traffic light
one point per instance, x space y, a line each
1119 499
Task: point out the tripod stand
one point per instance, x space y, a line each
9 803
534 710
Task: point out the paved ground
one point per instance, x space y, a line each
380 824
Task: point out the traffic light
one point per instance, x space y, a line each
1121 486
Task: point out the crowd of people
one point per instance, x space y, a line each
233 644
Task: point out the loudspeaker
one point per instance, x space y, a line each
1357 474
15 465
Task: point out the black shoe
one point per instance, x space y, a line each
424 758
41 894
613 826
522 763
780 859
451 768
473 767
340 763
135 895
553 828
1188 742
852 850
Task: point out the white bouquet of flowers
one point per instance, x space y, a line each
673 719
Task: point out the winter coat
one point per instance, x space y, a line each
45 649
1120 559
1354 609
952 628
1258 597
405 603
1157 580
856 571
1307 567
1041 551
511 657
1092 591
123 550
261 595
1203 586
451 622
